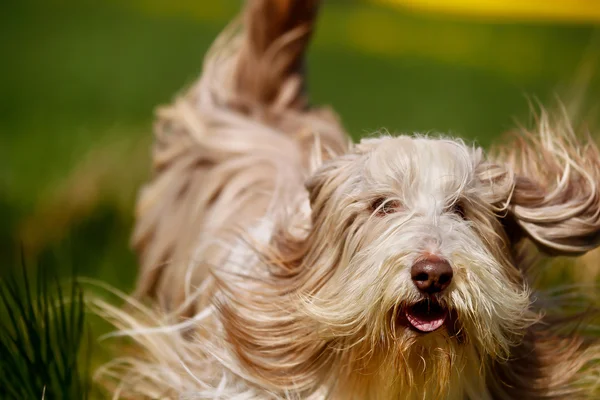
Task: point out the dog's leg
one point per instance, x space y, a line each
548 365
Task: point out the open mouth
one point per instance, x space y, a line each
426 315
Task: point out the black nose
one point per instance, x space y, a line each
431 275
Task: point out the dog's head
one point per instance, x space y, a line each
413 228
413 240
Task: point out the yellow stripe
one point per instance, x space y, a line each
586 11
373 31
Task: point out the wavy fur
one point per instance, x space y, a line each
265 227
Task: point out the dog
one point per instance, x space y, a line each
285 262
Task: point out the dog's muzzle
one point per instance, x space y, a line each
431 275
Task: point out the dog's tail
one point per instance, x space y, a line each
260 71
236 147
270 69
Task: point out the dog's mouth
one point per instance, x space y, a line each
426 315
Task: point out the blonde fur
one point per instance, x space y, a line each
278 254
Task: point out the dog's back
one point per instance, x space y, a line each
232 153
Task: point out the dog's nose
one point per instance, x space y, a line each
431 275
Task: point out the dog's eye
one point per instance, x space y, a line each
458 209
383 206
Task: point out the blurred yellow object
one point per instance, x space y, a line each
546 10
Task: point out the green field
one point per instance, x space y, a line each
79 81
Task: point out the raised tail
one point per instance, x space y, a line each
270 68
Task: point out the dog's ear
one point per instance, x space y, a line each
323 182
342 170
555 194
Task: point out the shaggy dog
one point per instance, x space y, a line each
287 263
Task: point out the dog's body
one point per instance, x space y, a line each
314 268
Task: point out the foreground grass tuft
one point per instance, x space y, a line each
44 339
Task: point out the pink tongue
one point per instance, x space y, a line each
426 323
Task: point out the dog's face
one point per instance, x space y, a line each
410 233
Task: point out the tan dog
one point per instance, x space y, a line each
305 267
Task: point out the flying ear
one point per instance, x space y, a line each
555 199
322 184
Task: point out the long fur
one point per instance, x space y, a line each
277 274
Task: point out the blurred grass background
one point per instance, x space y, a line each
79 81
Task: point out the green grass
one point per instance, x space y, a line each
76 78
45 344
